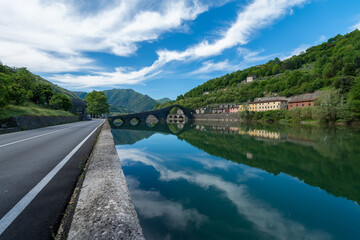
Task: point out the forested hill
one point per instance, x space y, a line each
21 83
126 100
129 99
332 64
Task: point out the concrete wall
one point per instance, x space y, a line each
223 117
14 124
105 209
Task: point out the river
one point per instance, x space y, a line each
212 181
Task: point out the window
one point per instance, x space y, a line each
303 105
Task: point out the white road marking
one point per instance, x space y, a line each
22 140
26 200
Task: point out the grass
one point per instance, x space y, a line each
30 110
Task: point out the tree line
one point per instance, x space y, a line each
18 86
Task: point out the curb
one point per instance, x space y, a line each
105 209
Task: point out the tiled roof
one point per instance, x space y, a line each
266 101
306 96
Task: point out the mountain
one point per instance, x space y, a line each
126 100
332 64
80 94
163 100
129 99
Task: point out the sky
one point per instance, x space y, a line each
162 48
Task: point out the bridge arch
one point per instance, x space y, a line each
134 121
160 114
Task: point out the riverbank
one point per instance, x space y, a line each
234 117
105 209
226 117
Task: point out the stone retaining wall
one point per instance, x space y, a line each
14 124
223 117
104 209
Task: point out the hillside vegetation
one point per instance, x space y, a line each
24 93
332 64
129 99
30 110
163 100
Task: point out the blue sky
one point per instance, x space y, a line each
161 48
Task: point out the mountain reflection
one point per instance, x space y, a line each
325 157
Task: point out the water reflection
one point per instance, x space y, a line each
186 190
325 157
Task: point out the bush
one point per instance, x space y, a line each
61 102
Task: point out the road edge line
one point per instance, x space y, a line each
15 211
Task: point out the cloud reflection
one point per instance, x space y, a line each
266 219
151 204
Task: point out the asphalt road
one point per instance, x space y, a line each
38 172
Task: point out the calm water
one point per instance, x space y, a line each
243 182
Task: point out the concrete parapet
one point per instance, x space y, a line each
14 124
104 209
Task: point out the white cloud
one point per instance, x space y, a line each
258 14
56 34
356 26
210 66
50 28
323 38
253 56
17 55
300 49
151 204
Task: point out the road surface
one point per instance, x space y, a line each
38 171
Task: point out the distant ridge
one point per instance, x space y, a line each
127 100
163 100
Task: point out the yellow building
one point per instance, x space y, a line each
267 105
264 134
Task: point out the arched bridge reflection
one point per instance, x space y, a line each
135 119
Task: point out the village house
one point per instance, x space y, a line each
236 109
220 110
266 105
250 79
202 110
303 100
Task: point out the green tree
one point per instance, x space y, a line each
4 89
275 69
18 94
354 98
42 94
61 102
331 106
96 103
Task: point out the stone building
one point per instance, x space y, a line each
303 100
266 105
250 79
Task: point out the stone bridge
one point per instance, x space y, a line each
161 115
